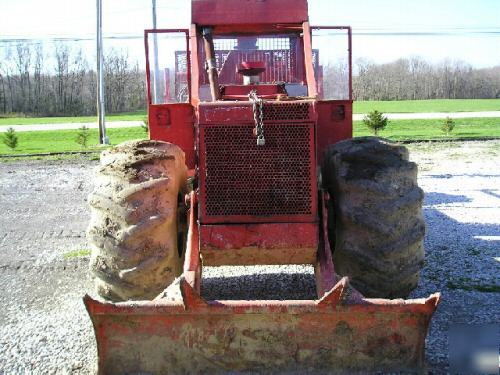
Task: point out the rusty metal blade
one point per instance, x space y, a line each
186 334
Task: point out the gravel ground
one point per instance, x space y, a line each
43 267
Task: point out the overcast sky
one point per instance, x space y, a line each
384 30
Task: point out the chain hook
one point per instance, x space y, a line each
258 116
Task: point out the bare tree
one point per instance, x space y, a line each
3 97
38 80
58 80
23 64
415 78
61 55
124 89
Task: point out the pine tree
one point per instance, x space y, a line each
10 138
375 121
82 136
448 126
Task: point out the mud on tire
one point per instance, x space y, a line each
133 226
378 226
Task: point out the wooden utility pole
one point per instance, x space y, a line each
103 139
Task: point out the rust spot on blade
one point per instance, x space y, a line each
336 294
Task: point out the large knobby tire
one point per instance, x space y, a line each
133 226
378 226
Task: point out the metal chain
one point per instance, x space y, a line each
258 116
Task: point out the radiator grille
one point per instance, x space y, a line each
242 178
286 111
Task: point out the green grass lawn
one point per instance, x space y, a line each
437 105
129 116
403 106
64 140
431 129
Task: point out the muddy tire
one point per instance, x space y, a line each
378 226
133 226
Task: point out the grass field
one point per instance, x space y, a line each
403 106
431 129
437 105
129 116
64 140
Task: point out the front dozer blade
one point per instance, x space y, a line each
182 333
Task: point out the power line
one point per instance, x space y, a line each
356 31
15 41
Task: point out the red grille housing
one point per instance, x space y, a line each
241 182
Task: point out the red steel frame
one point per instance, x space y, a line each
330 128
172 122
146 47
349 47
175 122
334 116
193 69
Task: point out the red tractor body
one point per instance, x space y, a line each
254 142
243 187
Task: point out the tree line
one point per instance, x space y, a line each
60 81
414 78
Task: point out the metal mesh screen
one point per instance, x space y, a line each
278 52
225 44
221 56
286 111
245 179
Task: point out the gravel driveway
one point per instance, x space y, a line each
43 263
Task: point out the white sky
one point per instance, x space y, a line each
473 26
